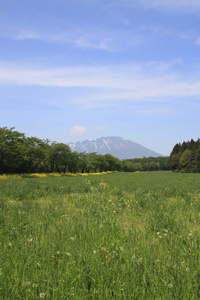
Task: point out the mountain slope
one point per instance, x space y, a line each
117 146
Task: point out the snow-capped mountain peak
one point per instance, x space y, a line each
116 146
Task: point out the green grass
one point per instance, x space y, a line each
132 236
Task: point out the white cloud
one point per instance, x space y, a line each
100 128
95 38
109 85
77 130
25 35
94 41
46 36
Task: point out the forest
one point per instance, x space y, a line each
21 154
185 157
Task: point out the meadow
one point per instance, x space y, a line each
108 236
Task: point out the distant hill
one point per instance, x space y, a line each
116 146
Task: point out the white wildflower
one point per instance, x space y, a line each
42 295
140 261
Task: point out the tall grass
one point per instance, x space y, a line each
116 236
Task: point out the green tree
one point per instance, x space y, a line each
185 160
73 162
93 162
83 162
101 163
137 166
197 159
58 156
32 154
127 166
176 149
11 149
174 161
185 157
111 163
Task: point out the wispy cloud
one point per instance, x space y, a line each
181 6
189 4
96 38
42 35
89 41
77 130
100 128
24 35
198 41
109 85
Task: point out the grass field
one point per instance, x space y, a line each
113 236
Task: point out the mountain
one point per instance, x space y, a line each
117 146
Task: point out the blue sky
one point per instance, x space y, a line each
81 69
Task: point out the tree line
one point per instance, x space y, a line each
185 157
21 154
146 164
